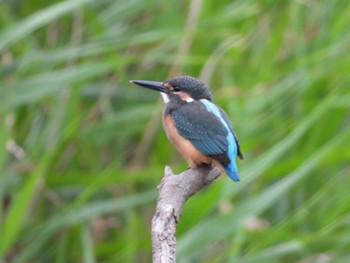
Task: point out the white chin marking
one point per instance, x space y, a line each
165 97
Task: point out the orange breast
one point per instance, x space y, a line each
185 147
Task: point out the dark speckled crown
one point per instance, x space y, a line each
196 88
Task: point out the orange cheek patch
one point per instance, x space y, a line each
167 85
185 96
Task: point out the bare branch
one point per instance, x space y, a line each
174 190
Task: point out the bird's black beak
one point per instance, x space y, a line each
155 85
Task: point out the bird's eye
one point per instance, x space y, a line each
175 88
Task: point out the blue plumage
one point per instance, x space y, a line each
203 130
205 125
231 168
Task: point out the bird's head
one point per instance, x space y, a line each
186 87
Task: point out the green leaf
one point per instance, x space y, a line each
35 21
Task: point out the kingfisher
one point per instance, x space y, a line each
199 129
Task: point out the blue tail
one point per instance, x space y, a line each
231 171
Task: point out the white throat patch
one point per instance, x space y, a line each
183 96
165 97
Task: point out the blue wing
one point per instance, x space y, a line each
202 123
227 120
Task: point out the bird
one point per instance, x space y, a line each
200 130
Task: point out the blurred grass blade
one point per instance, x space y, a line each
35 88
269 254
19 208
270 158
35 21
84 213
87 244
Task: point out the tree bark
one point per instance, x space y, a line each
174 190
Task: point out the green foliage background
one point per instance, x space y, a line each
82 149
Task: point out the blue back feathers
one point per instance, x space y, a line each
208 128
231 169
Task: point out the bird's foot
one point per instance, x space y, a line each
206 166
